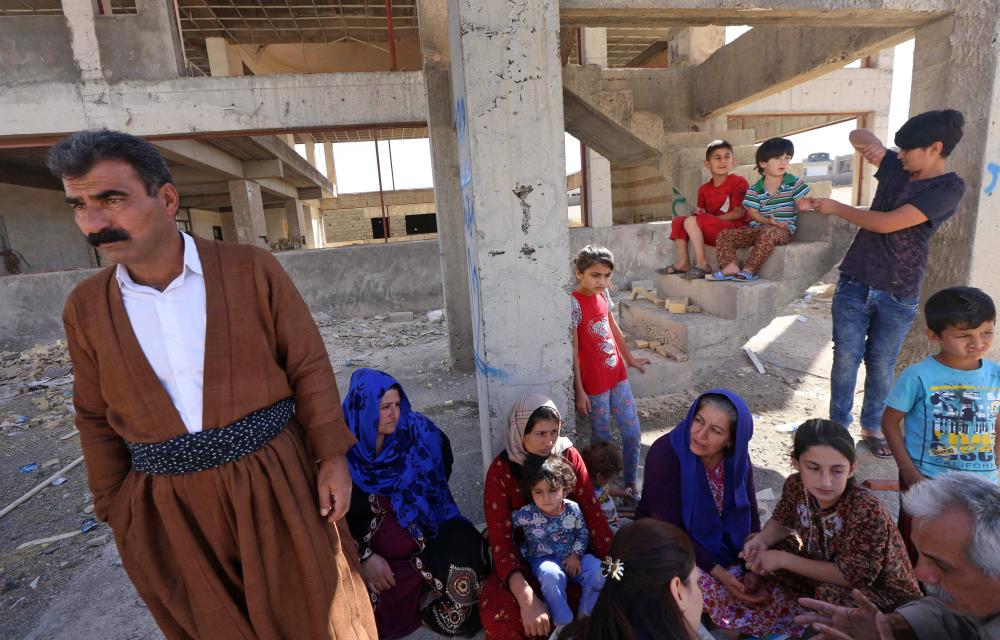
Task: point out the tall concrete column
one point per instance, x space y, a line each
218 56
956 65
507 88
433 18
877 121
599 190
83 38
311 151
595 51
295 220
331 166
248 213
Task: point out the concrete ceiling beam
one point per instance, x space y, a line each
272 168
807 13
200 155
767 60
205 202
310 193
278 187
197 106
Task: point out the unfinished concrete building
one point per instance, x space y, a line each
226 88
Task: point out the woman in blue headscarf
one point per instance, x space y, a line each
422 561
699 478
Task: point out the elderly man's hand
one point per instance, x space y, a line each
833 622
333 482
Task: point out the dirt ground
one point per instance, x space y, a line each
75 588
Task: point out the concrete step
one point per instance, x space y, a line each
730 300
785 263
699 335
662 375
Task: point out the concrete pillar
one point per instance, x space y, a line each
595 46
296 221
248 213
599 189
956 65
693 45
83 38
433 20
505 68
877 121
218 56
311 151
331 166
595 51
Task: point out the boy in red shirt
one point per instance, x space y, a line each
720 206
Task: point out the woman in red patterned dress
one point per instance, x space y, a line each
510 605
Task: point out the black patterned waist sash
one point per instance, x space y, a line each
203 450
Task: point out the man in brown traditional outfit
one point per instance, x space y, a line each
208 414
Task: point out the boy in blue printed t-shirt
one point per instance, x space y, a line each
948 402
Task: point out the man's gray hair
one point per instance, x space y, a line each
930 499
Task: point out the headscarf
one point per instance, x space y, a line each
410 469
518 421
723 535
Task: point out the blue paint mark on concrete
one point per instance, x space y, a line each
994 170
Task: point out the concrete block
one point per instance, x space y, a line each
729 300
662 375
640 344
398 317
676 305
695 334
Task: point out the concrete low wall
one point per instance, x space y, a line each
31 307
366 280
346 282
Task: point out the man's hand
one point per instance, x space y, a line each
846 623
572 565
333 483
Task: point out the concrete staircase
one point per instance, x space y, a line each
732 312
648 158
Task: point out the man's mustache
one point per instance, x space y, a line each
105 236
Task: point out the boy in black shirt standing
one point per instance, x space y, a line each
879 287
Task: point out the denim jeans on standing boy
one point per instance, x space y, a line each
870 325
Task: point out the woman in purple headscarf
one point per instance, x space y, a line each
699 478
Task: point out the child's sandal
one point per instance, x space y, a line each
746 276
718 276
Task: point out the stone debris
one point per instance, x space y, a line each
367 335
399 317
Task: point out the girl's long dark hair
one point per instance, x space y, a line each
640 604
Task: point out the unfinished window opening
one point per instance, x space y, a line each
378 229
417 223
217 233
116 7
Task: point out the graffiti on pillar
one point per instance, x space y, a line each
469 214
994 170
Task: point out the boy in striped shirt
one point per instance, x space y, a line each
770 202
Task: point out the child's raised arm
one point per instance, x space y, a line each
869 145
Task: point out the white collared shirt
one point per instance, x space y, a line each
170 328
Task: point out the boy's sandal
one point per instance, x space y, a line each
877 445
745 276
718 276
696 273
670 270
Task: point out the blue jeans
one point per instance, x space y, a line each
552 579
869 325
